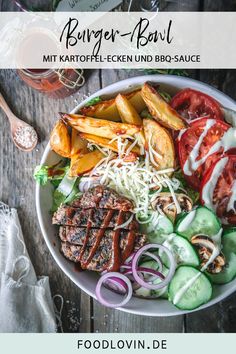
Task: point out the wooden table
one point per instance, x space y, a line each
80 312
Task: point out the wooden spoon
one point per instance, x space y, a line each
23 135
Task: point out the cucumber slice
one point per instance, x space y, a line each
229 250
229 230
156 237
162 293
149 264
229 241
164 225
189 288
198 221
228 274
158 233
183 251
142 292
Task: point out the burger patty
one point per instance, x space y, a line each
98 230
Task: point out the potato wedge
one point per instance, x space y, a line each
85 163
137 101
108 110
60 139
78 145
162 143
100 127
106 142
160 109
127 111
103 110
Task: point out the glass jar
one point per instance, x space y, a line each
54 83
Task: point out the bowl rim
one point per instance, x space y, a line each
131 84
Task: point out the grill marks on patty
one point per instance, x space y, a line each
89 234
104 198
73 251
104 218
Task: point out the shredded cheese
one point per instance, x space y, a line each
126 223
139 180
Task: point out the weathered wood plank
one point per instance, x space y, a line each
219 318
112 321
17 185
8 6
180 5
175 5
36 4
219 5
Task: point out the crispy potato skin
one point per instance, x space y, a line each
127 111
100 127
60 141
162 143
78 145
104 124
85 163
103 110
161 110
106 142
108 110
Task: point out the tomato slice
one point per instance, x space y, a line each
191 104
194 146
218 188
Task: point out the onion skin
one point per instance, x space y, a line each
135 261
117 285
113 275
131 269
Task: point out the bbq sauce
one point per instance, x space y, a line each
99 237
78 268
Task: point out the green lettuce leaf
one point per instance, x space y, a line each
55 173
183 184
166 96
93 101
65 192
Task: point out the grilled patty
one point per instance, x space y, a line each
98 230
101 258
104 198
103 218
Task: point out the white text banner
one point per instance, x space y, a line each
118 40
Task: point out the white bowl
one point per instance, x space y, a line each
87 280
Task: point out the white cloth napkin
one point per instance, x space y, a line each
25 301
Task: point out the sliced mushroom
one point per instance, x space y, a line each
170 207
205 247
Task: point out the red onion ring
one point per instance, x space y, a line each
156 258
117 285
129 259
150 271
122 277
125 266
135 267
